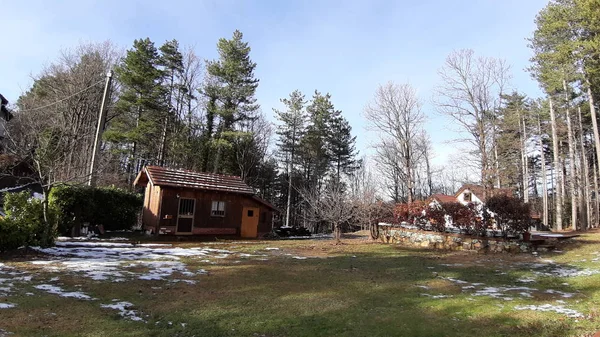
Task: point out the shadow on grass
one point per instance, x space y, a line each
367 295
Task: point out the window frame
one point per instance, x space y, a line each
218 213
470 196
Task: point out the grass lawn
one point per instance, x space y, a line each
303 288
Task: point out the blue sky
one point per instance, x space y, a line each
346 48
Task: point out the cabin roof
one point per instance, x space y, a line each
164 176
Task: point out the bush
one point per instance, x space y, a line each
113 208
511 215
467 218
413 213
24 223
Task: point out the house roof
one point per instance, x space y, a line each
442 198
164 176
478 191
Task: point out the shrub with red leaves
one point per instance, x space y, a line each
511 215
437 217
466 217
412 213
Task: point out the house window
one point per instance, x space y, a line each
467 196
218 208
250 213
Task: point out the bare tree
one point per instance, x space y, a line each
470 94
251 145
395 113
333 206
365 196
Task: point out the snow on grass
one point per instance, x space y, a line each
436 296
526 280
272 248
62 293
560 309
9 276
7 305
504 292
124 309
111 261
90 238
4 333
550 268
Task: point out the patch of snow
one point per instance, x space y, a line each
125 310
526 280
111 261
7 305
271 248
299 257
436 296
4 333
560 309
60 292
561 293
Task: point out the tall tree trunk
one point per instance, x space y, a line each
544 175
557 169
496 161
596 199
290 169
572 170
524 162
594 125
409 173
585 186
429 175
163 137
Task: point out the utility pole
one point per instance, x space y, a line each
99 129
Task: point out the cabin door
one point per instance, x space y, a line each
185 216
249 222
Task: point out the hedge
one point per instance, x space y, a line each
113 208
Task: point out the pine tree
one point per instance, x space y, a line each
171 60
233 89
140 106
341 145
315 156
290 132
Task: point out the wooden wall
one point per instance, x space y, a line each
151 211
163 215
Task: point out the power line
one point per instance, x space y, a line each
63 99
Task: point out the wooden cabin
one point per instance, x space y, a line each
183 202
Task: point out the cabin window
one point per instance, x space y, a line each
186 207
467 196
250 213
218 208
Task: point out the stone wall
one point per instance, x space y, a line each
447 241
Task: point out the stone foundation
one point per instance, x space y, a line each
447 241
